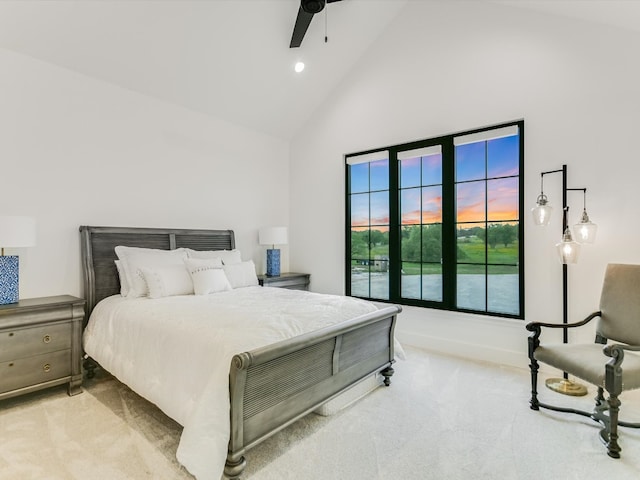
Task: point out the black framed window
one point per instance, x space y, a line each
437 222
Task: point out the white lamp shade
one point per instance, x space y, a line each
585 232
17 231
568 249
273 236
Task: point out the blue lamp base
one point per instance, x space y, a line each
8 279
273 262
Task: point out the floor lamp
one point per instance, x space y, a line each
568 250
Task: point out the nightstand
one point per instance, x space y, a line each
294 281
40 345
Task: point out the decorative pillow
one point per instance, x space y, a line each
228 257
167 281
241 274
135 258
124 283
207 275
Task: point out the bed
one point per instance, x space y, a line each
267 387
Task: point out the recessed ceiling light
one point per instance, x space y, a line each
299 67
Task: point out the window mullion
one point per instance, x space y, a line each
449 242
395 263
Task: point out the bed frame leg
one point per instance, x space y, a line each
235 465
90 366
386 373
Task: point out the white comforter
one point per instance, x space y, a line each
176 352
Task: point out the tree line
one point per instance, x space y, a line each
424 243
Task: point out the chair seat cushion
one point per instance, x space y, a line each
587 361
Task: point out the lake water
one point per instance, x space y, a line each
502 293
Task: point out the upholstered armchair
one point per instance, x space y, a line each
613 366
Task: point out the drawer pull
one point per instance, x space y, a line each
11 334
46 338
46 367
11 364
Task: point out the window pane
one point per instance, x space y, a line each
470 161
380 208
432 169
503 243
503 290
410 206
422 281
360 245
379 283
470 202
360 210
471 243
379 175
359 279
502 199
471 287
359 177
432 282
379 242
411 244
432 243
410 172
410 280
503 156
432 204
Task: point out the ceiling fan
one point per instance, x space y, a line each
308 8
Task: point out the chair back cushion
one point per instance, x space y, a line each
620 304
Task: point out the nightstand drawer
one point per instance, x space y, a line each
22 342
33 370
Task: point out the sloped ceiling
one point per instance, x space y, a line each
228 58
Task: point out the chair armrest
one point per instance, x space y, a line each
616 352
536 329
536 326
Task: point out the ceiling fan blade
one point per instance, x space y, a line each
302 24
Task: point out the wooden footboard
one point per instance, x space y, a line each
271 387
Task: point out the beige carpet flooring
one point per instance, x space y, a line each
442 418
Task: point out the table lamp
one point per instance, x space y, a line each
273 236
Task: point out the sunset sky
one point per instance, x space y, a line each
421 192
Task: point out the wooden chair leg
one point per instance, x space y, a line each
534 384
613 448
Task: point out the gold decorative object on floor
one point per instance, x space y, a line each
566 387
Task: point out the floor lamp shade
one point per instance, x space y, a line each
14 232
273 236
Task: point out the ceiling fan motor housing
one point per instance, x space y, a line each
312 6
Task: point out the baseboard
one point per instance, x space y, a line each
447 346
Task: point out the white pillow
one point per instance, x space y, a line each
228 257
241 274
134 259
207 275
167 281
124 283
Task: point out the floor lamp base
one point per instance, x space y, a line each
566 387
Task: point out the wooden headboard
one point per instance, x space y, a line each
98 252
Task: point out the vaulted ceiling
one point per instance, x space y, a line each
228 58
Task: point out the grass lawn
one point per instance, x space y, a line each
473 252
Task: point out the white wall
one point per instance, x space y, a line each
444 67
76 151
